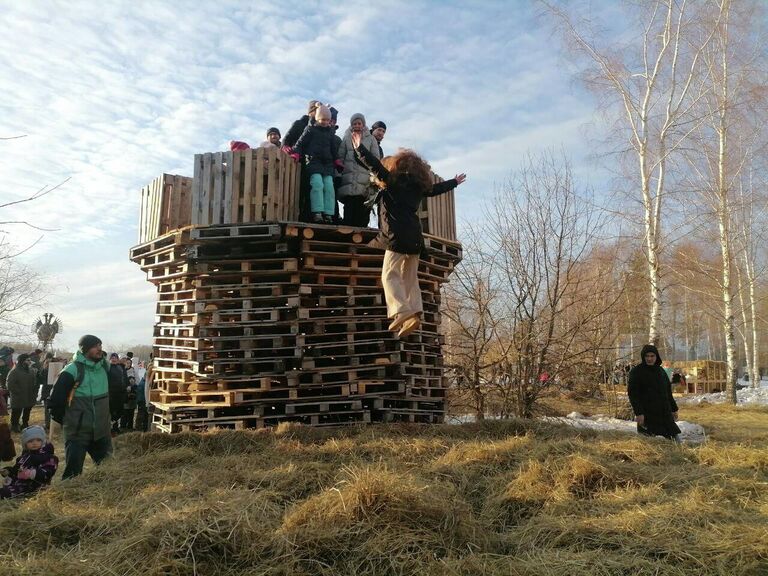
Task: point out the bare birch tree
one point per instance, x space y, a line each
721 146
650 80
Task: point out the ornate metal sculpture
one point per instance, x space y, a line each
46 327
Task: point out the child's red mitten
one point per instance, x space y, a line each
339 165
26 474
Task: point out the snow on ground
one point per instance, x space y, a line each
754 396
689 432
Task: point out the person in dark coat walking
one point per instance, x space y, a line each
35 467
406 181
650 393
22 385
319 146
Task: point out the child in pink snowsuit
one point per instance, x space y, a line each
33 469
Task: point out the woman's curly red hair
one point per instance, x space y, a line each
406 168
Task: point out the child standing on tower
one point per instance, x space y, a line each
320 147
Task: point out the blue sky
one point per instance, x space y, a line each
113 94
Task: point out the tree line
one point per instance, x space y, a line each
559 288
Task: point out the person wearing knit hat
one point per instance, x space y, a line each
273 136
80 403
34 469
23 388
289 141
89 342
237 146
319 146
356 185
31 433
377 131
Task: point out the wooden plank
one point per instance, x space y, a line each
154 230
228 171
142 213
283 188
248 187
166 199
197 191
236 185
271 195
258 188
185 202
294 188
205 200
217 169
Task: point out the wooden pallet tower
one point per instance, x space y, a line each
262 319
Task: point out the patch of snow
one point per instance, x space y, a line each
689 432
751 396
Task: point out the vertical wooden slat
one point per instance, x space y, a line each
271 183
248 187
185 202
228 171
258 188
142 212
237 185
170 200
218 187
283 188
155 210
293 187
205 200
197 190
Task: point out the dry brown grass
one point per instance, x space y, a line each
496 498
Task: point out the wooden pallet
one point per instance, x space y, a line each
270 322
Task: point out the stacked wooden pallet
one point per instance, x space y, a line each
267 322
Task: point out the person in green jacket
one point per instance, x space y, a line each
80 403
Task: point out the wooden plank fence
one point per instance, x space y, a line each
256 185
438 214
166 203
249 186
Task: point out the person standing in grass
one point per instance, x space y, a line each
406 180
650 393
22 385
80 402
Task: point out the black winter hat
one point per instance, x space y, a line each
273 130
87 342
378 124
22 358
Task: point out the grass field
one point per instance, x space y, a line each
496 498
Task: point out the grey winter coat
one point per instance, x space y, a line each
22 385
356 180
